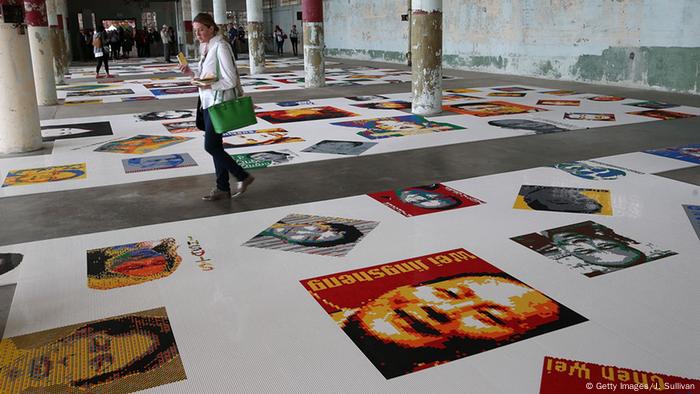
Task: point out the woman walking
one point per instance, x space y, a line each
99 39
279 39
217 62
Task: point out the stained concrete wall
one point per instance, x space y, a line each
636 43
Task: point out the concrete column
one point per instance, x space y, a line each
426 56
196 8
187 19
62 13
42 55
58 44
314 58
256 36
220 13
19 113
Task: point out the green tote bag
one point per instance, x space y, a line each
232 114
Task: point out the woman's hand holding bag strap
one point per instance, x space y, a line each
232 114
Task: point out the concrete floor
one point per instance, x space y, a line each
67 213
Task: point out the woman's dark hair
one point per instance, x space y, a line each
207 20
99 27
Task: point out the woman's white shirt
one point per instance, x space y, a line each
228 86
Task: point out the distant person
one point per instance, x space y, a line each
85 45
153 40
99 40
233 40
217 60
279 39
140 41
165 38
127 42
294 38
114 43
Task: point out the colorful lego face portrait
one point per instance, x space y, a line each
606 98
527 124
462 90
259 137
689 153
421 200
395 104
313 234
120 354
175 160
172 91
564 199
589 116
653 105
489 307
398 126
81 102
165 115
264 159
131 264
294 103
663 115
32 176
591 248
511 89
181 127
367 98
414 314
592 172
561 92
80 88
304 114
317 234
506 94
141 144
491 108
340 147
565 103
162 85
138 98
77 130
100 93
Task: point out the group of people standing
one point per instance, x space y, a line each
118 43
280 36
236 37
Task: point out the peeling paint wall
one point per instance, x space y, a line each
636 43
366 29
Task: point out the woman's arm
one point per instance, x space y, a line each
228 74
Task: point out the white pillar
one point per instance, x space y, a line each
58 46
187 19
426 56
62 11
220 13
256 39
196 7
42 54
314 43
19 113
